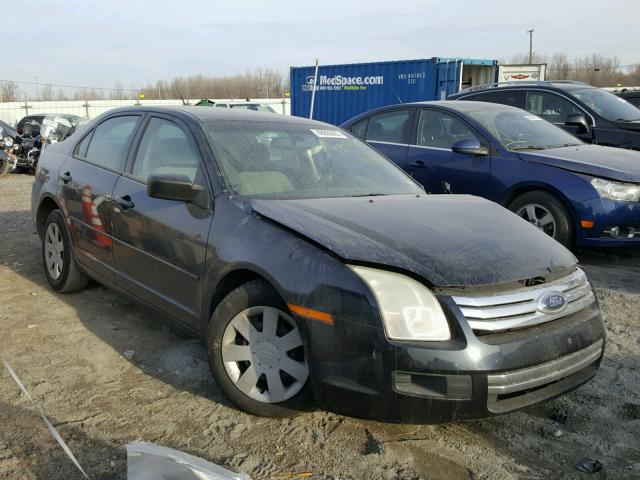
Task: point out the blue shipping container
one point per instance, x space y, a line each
343 91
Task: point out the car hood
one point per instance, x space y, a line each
448 240
608 162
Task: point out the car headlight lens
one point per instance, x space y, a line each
7 141
409 310
624 192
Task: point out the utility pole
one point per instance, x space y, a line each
530 32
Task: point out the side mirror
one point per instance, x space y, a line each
172 187
470 146
577 120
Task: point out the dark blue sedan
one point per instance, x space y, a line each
580 194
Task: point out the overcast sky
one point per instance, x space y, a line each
82 42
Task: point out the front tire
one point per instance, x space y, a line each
548 214
256 352
60 266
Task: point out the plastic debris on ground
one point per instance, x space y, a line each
587 465
147 461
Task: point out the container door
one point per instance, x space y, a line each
449 76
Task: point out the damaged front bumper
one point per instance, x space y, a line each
474 375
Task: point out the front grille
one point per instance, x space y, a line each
520 308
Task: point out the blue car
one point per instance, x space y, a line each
582 195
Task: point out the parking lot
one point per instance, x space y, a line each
70 349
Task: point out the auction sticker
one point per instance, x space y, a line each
327 133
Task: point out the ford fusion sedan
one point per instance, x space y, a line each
581 195
314 268
592 114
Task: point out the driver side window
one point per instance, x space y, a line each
438 129
166 148
549 106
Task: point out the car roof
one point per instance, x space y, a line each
207 114
540 85
462 106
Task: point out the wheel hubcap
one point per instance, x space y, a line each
263 354
540 217
54 251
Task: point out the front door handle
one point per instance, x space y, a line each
417 164
65 177
125 202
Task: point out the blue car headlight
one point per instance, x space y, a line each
409 310
623 192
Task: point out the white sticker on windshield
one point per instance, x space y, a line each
328 133
532 117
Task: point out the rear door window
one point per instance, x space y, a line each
359 129
110 142
550 106
392 127
82 146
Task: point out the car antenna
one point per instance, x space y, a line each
396 94
179 93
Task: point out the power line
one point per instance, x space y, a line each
80 87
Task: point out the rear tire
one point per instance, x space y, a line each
60 267
263 370
547 213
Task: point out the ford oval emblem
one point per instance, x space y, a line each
552 302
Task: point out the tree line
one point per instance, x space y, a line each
261 83
594 69
597 70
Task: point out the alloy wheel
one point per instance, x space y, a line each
54 251
539 216
263 354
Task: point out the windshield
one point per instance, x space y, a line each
519 130
254 107
282 160
607 104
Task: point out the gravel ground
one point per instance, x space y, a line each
68 350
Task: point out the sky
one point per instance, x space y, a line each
80 42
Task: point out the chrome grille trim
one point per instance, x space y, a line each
526 378
519 308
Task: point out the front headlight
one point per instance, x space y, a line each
7 141
409 310
624 192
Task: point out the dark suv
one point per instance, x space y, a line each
591 114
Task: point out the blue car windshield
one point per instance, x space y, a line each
520 130
607 104
285 160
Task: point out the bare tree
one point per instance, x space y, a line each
9 91
46 93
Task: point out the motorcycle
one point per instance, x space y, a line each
27 146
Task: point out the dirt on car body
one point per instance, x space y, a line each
70 350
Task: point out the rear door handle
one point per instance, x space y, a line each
125 202
417 164
65 177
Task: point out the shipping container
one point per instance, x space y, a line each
343 91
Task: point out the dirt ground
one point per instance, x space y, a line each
68 350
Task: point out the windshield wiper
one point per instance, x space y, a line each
566 145
529 147
628 120
370 195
